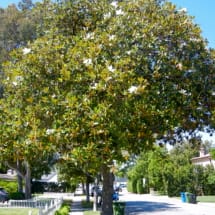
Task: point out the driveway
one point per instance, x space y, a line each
151 204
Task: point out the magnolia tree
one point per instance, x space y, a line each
108 78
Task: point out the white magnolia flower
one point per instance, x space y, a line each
87 62
111 37
18 80
179 66
184 92
128 52
111 69
94 86
182 10
50 131
26 51
119 12
108 79
95 123
132 89
90 35
107 15
114 4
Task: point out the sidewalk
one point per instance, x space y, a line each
76 208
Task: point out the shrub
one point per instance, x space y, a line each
17 196
86 204
140 188
132 185
9 186
64 209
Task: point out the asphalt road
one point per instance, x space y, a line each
153 205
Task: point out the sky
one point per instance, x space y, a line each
203 10
204 13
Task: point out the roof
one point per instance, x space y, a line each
52 177
7 177
201 158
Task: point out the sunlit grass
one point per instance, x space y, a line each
18 211
86 204
91 213
206 199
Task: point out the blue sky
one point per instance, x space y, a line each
203 10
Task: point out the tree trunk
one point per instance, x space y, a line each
27 181
20 183
83 188
95 200
19 178
107 192
95 195
87 189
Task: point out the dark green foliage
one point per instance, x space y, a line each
208 185
17 196
173 173
86 204
132 185
40 187
212 152
140 186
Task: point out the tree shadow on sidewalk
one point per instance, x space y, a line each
136 207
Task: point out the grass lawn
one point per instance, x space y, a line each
89 207
206 199
18 211
91 213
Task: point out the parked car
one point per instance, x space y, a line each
115 197
118 189
3 195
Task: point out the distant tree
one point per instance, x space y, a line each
17 27
180 175
24 5
151 167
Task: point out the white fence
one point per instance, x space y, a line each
45 206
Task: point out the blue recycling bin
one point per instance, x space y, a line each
183 197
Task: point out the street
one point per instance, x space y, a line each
147 204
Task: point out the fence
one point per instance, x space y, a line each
45 206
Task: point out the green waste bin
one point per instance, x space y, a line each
190 198
118 208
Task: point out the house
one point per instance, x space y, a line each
51 177
203 159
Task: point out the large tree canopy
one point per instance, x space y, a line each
107 78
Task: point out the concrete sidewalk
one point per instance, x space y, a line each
76 208
76 199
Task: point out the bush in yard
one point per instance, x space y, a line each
9 186
64 209
140 188
17 196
